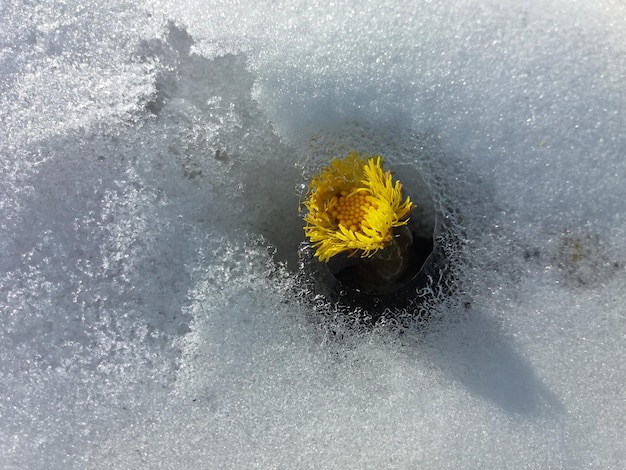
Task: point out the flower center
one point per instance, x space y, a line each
350 209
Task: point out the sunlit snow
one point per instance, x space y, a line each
153 313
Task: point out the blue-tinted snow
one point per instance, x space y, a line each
152 160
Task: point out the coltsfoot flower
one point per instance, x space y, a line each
352 206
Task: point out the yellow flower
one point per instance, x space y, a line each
352 205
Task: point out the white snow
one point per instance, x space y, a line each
152 157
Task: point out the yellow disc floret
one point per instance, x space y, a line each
349 210
352 205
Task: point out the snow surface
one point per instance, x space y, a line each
153 153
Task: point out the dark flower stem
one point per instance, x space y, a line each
383 272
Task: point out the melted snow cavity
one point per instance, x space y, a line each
154 155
